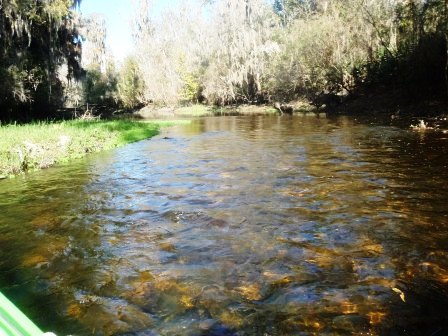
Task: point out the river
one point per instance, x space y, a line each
241 225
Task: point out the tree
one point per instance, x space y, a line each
37 37
241 45
290 10
248 51
170 56
93 30
130 85
327 46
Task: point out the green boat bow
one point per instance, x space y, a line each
15 323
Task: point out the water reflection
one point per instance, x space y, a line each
237 226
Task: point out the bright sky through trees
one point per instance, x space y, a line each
118 16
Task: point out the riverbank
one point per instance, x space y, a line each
200 110
396 103
41 145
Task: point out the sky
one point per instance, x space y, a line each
118 16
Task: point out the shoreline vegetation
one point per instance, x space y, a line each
376 103
242 57
32 146
224 53
40 145
200 110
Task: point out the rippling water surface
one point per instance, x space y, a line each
258 225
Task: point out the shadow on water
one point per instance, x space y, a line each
248 225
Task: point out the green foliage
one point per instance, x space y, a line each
57 9
191 89
338 47
130 84
414 59
36 38
234 51
196 110
99 88
249 52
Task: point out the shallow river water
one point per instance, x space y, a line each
260 225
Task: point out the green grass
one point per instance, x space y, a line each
248 109
257 109
40 145
196 110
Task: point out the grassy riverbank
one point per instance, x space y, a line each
40 145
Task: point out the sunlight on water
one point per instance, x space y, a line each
259 225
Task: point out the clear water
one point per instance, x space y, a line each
261 225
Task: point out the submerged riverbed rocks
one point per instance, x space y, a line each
242 225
